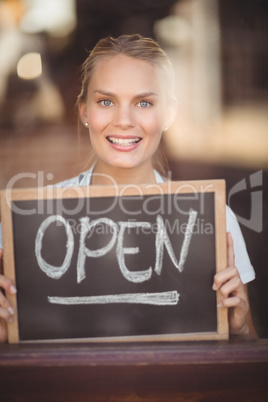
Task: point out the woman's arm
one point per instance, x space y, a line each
6 310
234 296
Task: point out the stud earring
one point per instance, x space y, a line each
165 129
86 124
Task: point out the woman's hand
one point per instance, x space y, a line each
233 295
6 310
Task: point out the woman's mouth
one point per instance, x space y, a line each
123 141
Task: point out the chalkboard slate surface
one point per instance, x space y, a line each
103 266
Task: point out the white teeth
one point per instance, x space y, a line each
123 141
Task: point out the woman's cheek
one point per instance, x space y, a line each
97 120
151 122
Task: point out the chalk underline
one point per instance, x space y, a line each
159 299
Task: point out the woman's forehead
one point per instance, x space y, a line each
120 70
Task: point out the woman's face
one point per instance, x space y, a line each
126 112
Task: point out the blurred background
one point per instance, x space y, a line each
219 49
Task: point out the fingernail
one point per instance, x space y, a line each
13 289
219 305
11 310
214 287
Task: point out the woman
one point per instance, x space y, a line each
126 103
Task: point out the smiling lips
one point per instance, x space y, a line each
123 141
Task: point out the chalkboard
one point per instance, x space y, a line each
116 263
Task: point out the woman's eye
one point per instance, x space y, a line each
144 104
106 102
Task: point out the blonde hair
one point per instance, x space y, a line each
138 47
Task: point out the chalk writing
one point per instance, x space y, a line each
162 238
138 276
163 298
118 233
50 270
85 252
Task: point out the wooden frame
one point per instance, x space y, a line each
217 187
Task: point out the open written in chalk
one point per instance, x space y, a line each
116 263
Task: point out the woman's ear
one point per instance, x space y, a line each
83 112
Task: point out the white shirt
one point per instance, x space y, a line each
242 261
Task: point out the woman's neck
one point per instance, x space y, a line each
110 175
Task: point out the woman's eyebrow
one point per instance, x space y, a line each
106 93
146 94
111 94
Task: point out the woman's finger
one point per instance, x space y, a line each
234 301
7 284
7 314
233 285
223 276
230 251
4 301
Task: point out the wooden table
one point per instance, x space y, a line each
188 371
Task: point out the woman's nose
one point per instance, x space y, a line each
124 117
